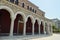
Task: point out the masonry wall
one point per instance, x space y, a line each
25 13
28 3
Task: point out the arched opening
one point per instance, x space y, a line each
29 26
41 28
5 22
36 27
18 25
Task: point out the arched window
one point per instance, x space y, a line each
28 7
12 1
36 26
5 22
35 11
41 28
23 5
32 10
16 2
29 26
18 25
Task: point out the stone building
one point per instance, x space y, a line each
21 17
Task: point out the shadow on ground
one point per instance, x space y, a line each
28 37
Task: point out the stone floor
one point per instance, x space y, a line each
53 37
35 37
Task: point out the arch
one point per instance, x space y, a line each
36 27
21 13
5 22
11 16
38 20
29 26
19 23
9 10
30 17
41 27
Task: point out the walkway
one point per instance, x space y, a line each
36 37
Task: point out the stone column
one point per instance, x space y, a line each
39 28
48 29
33 29
51 30
24 30
44 28
12 26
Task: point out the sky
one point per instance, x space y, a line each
50 7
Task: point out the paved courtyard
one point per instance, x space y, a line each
54 37
36 37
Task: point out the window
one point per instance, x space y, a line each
42 14
32 10
28 7
16 2
12 1
23 5
35 11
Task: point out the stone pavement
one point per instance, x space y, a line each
35 37
53 37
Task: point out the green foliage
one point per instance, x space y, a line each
56 30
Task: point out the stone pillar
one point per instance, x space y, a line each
44 28
12 26
24 30
33 29
51 30
39 28
48 29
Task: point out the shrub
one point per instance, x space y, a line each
55 30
